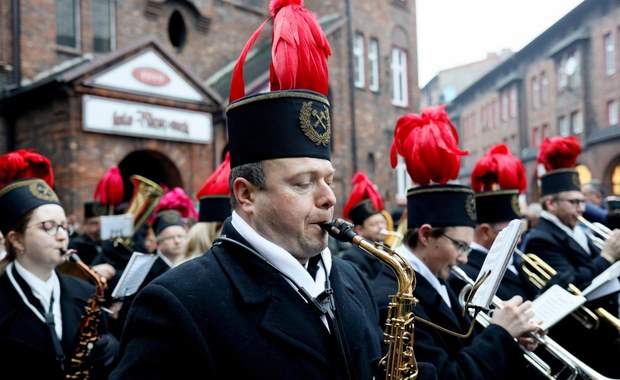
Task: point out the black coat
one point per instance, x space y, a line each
26 346
227 314
598 348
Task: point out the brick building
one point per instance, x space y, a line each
143 84
565 82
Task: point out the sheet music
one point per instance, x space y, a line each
555 304
134 274
496 263
604 284
113 226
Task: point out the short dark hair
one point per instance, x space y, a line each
253 172
411 236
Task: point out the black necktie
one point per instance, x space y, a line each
313 265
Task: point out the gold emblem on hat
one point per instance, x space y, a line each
42 191
315 125
99 209
575 179
170 217
470 206
514 202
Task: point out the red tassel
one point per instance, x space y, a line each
25 163
429 145
559 152
499 169
299 51
110 189
217 183
363 189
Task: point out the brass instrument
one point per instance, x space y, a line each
390 237
570 363
542 272
88 331
601 231
399 361
145 198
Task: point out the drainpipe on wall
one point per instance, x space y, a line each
351 88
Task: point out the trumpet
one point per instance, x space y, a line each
570 363
601 231
541 272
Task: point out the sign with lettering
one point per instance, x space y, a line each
119 117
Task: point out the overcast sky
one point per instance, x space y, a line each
455 32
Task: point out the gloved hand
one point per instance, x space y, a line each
104 352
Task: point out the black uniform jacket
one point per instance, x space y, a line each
512 284
599 348
26 346
366 262
229 315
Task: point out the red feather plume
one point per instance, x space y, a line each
25 163
363 189
110 190
299 51
429 145
177 199
217 183
559 152
499 169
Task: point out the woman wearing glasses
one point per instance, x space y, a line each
441 218
40 309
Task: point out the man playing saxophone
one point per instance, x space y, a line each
561 243
441 219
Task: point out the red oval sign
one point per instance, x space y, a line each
150 76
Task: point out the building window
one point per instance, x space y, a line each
67 23
544 88
576 122
612 113
504 105
563 126
535 93
568 72
177 31
610 58
358 60
104 22
513 102
615 179
373 62
400 96
535 137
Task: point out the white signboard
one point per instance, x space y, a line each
120 117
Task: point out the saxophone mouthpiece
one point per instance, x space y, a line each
340 229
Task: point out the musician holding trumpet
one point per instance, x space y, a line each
562 244
441 218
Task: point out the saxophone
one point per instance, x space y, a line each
88 332
399 362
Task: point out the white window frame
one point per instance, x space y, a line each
563 126
358 61
612 113
544 88
373 64
610 54
576 122
535 93
400 93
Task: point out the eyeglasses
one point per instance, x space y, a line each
461 247
51 227
172 237
574 202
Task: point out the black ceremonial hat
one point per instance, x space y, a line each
497 206
279 124
441 206
560 180
20 197
93 209
165 219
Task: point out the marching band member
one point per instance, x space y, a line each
40 308
561 243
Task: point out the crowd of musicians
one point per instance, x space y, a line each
245 279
